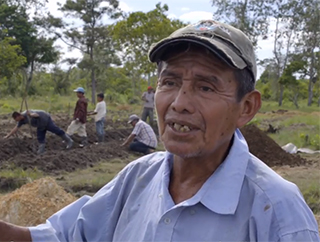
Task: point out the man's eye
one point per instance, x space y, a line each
206 89
169 83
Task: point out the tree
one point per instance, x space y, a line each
250 16
290 81
309 40
284 37
36 48
136 33
11 61
90 13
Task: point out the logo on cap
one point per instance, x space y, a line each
210 25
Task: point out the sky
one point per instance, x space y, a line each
185 10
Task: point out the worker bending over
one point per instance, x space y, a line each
43 122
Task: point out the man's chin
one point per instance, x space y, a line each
183 151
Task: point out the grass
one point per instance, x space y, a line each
20 173
90 180
301 129
268 106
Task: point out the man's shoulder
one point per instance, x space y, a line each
282 197
83 100
265 179
148 164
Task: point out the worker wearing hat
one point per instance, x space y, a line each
207 186
148 106
78 124
142 138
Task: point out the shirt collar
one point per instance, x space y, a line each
221 192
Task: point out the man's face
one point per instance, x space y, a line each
99 99
149 90
19 118
79 94
196 104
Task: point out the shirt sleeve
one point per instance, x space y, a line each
136 129
97 107
87 219
20 123
302 236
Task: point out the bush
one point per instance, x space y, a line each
312 197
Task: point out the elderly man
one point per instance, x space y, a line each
142 138
206 186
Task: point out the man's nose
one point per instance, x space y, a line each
184 101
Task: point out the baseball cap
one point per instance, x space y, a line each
150 87
79 89
230 44
132 118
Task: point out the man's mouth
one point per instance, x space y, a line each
180 128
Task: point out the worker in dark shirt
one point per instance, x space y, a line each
78 124
43 122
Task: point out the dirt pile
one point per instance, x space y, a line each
267 150
34 202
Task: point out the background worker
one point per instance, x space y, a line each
148 106
100 115
43 122
78 125
142 139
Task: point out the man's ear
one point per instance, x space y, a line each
250 105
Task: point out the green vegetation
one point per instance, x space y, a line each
20 173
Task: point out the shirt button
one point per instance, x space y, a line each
192 212
167 221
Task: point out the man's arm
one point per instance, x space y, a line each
95 111
143 97
12 132
10 232
129 139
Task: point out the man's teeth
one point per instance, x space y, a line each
181 128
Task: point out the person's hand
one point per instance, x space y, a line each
123 144
6 137
77 120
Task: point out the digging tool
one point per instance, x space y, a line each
24 100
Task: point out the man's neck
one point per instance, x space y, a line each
189 174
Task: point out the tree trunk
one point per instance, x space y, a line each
93 78
295 100
310 92
29 80
281 95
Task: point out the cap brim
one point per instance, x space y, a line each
221 50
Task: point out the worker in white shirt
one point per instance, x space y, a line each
100 115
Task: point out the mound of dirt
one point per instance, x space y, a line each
21 152
267 150
34 202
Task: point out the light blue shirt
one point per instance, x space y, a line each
243 200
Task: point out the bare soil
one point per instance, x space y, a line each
21 151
